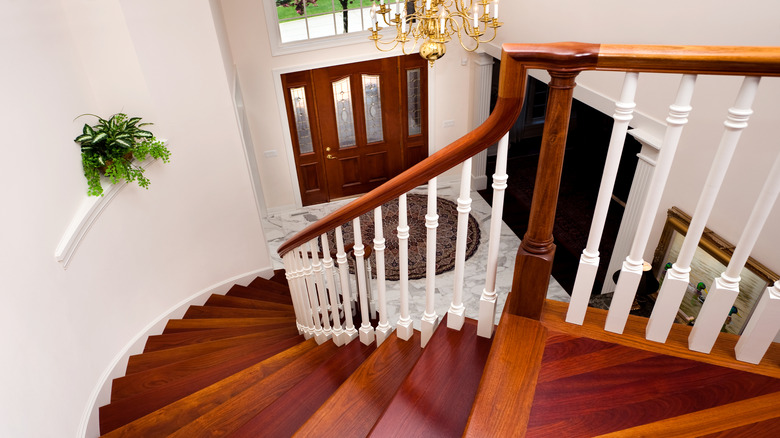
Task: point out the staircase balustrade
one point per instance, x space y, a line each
563 61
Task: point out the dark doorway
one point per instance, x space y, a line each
586 150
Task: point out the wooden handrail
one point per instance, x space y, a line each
558 57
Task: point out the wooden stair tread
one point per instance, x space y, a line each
152 378
286 415
436 396
270 285
503 402
243 406
145 361
183 325
604 387
164 392
216 300
359 402
275 293
198 312
168 419
171 340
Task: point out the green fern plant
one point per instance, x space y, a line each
109 147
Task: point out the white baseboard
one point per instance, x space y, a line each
101 394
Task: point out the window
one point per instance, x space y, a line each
301 20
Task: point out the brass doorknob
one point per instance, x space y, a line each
330 157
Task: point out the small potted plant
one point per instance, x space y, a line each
109 147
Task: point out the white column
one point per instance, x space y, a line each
311 290
327 263
676 281
455 316
487 302
404 329
483 76
631 272
430 319
366 331
346 294
289 274
725 289
762 327
322 294
383 328
589 260
645 167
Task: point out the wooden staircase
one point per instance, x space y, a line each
237 366
223 370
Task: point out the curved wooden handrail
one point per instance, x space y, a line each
561 57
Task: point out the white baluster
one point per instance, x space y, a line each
430 319
311 288
631 272
762 328
366 331
322 294
455 316
346 294
404 329
589 260
725 288
303 294
327 263
677 278
289 274
383 329
487 303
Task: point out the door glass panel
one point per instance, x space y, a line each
345 123
373 108
413 104
302 126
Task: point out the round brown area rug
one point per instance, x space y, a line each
446 236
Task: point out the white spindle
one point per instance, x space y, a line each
289 274
456 314
487 302
631 272
346 294
404 329
677 278
430 319
311 288
366 331
725 288
589 260
762 328
383 329
303 294
322 293
327 263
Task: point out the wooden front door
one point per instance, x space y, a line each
356 126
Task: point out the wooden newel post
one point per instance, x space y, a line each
533 265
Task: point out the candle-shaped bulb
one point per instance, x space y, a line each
442 20
476 18
495 9
427 5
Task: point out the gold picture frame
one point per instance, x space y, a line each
710 260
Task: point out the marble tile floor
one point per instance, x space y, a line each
280 226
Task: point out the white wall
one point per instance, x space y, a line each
258 72
694 22
195 227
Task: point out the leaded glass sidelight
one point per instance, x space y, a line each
302 127
373 108
345 122
413 101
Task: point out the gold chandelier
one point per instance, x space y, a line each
432 24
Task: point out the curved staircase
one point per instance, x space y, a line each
237 366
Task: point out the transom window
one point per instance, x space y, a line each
301 20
